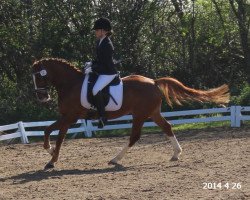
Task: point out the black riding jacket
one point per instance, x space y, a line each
104 63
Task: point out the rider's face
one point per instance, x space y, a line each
99 33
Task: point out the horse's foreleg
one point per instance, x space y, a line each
166 127
47 132
59 141
135 136
63 125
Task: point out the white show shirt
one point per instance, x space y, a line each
101 40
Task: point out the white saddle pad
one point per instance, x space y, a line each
115 91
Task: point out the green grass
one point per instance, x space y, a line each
176 128
200 126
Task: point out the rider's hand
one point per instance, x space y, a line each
87 65
88 70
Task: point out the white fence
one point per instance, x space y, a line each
234 114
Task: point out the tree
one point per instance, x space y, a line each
202 43
242 13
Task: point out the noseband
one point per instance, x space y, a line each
43 74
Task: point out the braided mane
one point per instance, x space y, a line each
57 60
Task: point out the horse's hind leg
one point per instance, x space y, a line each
135 136
166 127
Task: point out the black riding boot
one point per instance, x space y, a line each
100 109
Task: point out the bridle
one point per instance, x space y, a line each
43 74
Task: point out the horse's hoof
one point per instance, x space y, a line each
174 158
49 166
112 162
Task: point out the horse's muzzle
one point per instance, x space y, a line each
42 95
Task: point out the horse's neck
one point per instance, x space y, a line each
67 78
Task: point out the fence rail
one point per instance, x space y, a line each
234 114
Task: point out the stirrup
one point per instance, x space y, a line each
102 122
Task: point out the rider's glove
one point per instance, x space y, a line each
88 70
87 67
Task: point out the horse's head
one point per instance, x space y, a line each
41 81
55 72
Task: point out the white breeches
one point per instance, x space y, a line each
101 82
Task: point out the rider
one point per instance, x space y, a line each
103 65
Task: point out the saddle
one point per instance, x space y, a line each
105 91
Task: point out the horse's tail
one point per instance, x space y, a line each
176 92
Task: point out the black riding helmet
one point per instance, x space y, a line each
102 23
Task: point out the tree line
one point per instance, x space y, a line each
202 43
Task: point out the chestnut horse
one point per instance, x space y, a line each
142 97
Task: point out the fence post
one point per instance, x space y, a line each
238 116
88 128
232 115
24 137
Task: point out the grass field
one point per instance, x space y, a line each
176 128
